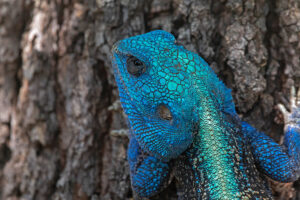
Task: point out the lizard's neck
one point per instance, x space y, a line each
217 151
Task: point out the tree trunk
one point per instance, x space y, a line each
61 125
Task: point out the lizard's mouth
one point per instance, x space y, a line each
127 101
118 77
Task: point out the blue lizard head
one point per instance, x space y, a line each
160 84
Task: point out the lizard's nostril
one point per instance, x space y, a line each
164 112
115 46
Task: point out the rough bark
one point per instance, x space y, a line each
60 120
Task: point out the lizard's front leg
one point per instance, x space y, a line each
148 175
281 163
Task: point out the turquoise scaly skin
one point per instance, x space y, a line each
183 123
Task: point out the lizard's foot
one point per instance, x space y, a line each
292 118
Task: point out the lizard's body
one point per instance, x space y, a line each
183 121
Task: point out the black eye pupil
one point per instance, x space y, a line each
137 62
135 67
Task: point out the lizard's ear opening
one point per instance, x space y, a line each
135 66
164 112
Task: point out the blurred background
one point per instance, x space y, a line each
62 131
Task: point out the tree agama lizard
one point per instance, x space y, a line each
183 122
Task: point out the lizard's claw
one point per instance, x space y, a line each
298 98
283 110
292 117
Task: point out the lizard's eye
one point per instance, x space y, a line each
164 112
135 67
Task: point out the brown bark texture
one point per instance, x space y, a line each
62 130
